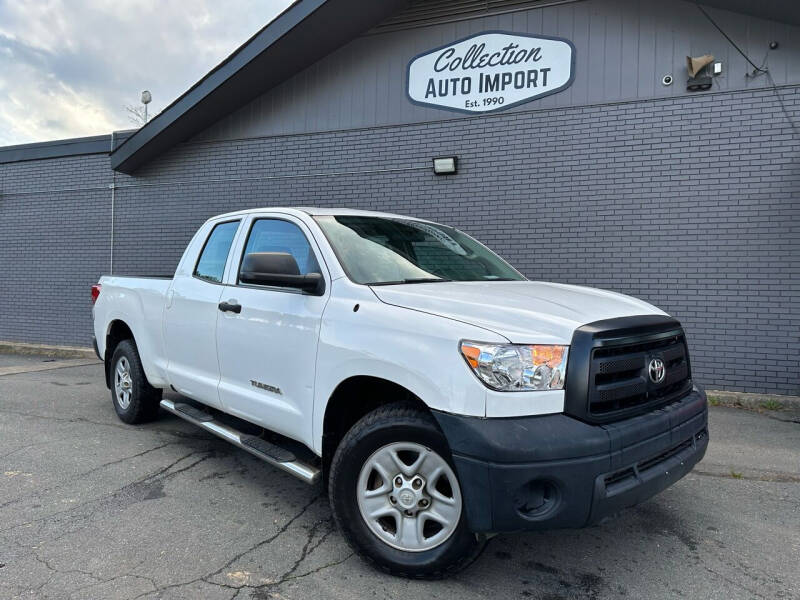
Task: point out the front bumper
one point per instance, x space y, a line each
553 471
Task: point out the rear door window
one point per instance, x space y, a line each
211 264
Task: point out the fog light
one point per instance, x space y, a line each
445 165
536 499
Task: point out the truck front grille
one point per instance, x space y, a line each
620 379
608 374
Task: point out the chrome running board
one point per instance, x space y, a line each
276 456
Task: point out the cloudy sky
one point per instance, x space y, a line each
68 68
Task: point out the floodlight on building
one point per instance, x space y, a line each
147 97
445 165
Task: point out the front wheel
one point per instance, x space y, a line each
396 497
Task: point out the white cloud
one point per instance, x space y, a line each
68 68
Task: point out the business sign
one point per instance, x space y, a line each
491 71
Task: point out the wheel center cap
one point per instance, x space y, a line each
407 498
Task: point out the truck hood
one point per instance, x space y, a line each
521 311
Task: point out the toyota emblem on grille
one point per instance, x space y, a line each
657 370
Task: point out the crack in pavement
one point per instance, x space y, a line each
101 581
124 458
27 551
304 553
261 591
734 583
21 448
269 540
115 578
49 567
207 578
181 435
121 492
39 492
66 420
751 475
130 489
116 425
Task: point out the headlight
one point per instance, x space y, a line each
517 367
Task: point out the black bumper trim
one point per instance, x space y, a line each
554 471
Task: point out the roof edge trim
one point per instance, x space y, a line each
96 144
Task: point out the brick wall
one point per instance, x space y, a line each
690 203
53 246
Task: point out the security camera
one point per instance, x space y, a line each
666 80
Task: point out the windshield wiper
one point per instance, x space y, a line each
412 280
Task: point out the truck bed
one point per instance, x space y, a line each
139 302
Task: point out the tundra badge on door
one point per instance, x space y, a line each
265 386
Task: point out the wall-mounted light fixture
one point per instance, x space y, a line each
445 165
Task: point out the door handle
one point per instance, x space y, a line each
230 307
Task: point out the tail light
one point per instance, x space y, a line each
96 292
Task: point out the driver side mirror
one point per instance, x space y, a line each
279 269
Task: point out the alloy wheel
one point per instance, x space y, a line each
409 496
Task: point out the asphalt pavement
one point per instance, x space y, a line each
93 508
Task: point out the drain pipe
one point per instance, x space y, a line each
113 198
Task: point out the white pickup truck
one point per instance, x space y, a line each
439 394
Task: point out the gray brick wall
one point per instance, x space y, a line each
53 246
690 203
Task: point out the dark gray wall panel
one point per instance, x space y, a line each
55 220
623 48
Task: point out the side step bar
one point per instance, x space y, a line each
261 448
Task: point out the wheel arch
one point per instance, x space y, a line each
353 398
116 332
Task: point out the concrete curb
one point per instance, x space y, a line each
752 401
45 350
49 366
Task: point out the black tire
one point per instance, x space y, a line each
144 399
398 422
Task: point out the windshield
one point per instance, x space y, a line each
383 251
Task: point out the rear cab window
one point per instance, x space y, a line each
214 255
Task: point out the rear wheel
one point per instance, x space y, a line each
396 497
134 399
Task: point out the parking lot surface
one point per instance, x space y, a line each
93 508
